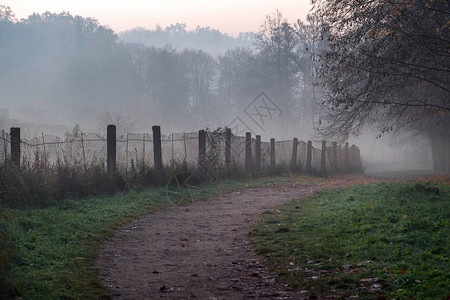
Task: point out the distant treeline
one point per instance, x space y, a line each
69 69
202 38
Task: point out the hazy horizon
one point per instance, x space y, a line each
231 17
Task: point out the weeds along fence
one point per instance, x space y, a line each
214 153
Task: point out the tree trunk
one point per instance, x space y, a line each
440 151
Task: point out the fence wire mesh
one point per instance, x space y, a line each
178 149
265 155
283 153
5 142
301 154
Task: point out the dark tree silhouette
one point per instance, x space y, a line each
388 64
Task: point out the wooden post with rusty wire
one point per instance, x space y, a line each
272 154
335 165
202 149
157 152
227 148
294 154
15 146
309 157
111 149
248 152
258 153
5 147
346 158
323 155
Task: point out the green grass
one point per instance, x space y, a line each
56 247
378 240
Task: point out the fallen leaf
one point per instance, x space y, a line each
370 279
376 286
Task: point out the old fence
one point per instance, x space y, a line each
212 151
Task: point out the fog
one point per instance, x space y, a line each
58 70
391 152
209 40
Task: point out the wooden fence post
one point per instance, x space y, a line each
294 154
353 161
248 152
351 152
157 152
143 150
111 149
227 148
323 167
335 157
358 159
258 153
308 157
202 149
346 158
5 147
45 151
126 156
272 153
15 146
84 152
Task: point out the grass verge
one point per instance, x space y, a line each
371 241
56 247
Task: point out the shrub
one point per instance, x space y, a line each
7 257
13 187
44 186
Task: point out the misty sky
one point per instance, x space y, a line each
229 16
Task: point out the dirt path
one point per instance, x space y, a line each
198 250
195 251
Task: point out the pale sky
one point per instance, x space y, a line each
229 16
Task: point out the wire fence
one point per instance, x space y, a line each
134 149
5 141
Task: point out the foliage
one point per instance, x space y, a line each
40 182
387 64
40 187
379 240
68 56
12 185
208 39
8 256
288 65
6 14
202 69
85 64
215 143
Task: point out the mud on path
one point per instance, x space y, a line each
198 250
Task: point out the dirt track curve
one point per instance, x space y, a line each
198 250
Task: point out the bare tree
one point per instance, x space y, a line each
388 64
277 42
124 121
202 70
312 38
